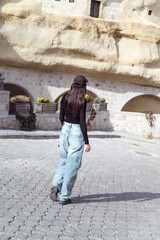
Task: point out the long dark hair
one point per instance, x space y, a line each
75 99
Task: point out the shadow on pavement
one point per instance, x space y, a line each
116 197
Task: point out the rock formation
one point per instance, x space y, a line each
128 50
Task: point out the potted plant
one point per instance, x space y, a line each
1 82
99 104
89 102
19 104
45 105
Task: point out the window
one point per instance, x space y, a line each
150 12
95 5
71 1
57 0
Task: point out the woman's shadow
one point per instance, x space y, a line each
116 197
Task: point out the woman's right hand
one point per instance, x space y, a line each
87 148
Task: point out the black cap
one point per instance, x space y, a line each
80 81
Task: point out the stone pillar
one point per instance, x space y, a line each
1 82
6 121
4 104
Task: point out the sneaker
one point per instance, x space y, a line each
54 194
65 202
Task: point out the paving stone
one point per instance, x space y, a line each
5 236
116 195
20 236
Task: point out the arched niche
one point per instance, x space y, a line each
143 103
18 90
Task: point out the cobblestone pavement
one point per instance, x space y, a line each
116 195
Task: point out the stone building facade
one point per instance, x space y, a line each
106 9
52 85
113 10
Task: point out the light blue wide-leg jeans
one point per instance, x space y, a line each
71 150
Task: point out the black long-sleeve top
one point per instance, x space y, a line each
67 116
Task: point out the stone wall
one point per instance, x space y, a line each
6 120
131 123
143 103
4 104
9 122
51 85
48 121
75 8
146 11
51 121
113 10
109 9
134 123
126 50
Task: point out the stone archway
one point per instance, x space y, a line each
58 99
143 103
15 90
87 92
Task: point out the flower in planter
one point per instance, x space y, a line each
88 98
45 105
20 99
19 104
44 100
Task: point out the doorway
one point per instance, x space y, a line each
95 6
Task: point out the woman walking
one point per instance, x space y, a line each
73 139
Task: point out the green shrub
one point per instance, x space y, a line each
27 123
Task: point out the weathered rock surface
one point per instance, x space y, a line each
128 50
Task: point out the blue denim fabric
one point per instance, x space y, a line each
71 150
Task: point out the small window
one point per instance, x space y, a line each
71 1
57 0
150 12
95 5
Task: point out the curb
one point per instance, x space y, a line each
52 136
90 135
29 137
